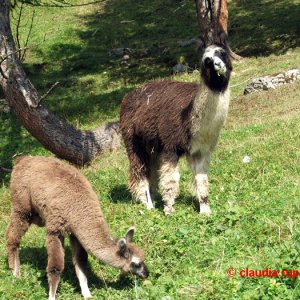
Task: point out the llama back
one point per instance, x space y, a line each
157 110
53 188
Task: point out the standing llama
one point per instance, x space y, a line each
163 120
48 193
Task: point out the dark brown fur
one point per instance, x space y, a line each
158 104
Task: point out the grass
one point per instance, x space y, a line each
255 222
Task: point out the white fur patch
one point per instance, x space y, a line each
209 114
169 185
205 209
219 65
83 283
135 259
142 193
16 271
201 182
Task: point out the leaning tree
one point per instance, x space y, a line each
61 138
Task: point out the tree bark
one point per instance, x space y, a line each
212 17
205 18
64 140
221 15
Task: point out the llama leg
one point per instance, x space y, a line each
80 263
139 173
154 174
55 265
199 165
169 181
15 231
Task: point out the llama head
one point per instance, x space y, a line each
216 64
133 256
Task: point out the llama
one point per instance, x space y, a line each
49 193
163 120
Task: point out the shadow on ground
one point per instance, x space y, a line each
264 27
28 255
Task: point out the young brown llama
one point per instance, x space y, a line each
49 193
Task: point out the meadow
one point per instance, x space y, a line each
255 223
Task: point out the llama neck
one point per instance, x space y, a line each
109 255
208 116
207 102
96 239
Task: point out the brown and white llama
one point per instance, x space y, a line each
49 193
163 120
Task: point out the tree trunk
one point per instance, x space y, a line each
64 140
212 17
221 13
205 18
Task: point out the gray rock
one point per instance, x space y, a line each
272 81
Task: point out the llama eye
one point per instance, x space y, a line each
223 54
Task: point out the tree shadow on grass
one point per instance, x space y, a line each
29 255
264 27
120 193
13 142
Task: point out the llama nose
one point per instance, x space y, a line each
218 64
208 61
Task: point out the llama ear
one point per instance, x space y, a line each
223 39
123 250
129 235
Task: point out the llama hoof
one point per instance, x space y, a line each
169 210
87 295
205 209
16 273
149 205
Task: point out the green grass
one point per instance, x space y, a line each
255 221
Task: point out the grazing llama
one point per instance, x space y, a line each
49 193
163 120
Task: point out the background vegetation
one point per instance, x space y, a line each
255 221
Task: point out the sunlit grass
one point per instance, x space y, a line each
255 221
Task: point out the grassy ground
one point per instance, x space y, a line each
255 222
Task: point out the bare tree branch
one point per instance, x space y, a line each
59 4
28 36
18 28
48 92
63 139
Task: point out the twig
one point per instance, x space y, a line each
67 4
3 58
48 92
2 170
17 28
232 86
28 36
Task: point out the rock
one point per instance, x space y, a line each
180 68
120 52
272 81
